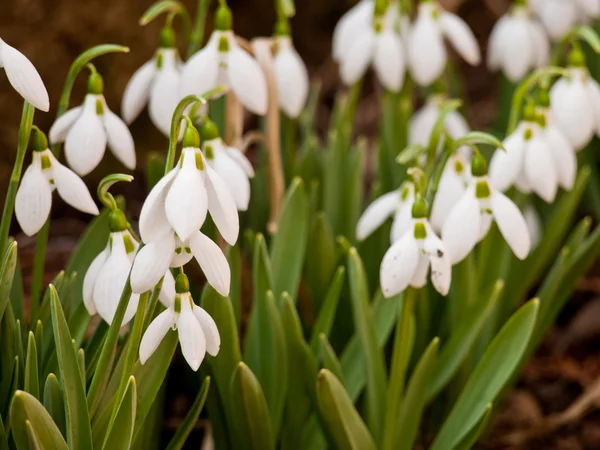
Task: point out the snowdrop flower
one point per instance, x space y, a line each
407 261
576 102
198 333
42 177
427 55
357 20
87 129
223 62
229 163
538 158
172 215
534 224
290 73
398 203
378 45
558 16
518 44
23 76
157 84
471 218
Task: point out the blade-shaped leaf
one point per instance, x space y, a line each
186 427
329 359
7 272
470 440
326 315
54 402
32 381
119 436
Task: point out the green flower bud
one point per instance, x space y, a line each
191 138
209 130
182 284
576 57
40 142
223 19
419 209
95 84
167 37
479 166
117 221
282 28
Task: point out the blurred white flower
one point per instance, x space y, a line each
398 203
23 76
87 129
158 84
423 121
198 333
471 218
357 20
518 44
427 54
534 224
560 16
291 77
407 261
42 177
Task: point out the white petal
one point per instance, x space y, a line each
506 166
496 43
234 176
541 45
461 230
450 191
399 265
590 8
164 95
33 201
377 213
191 338
212 262
151 263
292 81
540 169
71 188
389 61
563 155
200 73
485 224
120 140
461 37
24 77
402 221
182 255
241 159
210 330
426 52
137 91
419 278
573 112
346 30
558 17
593 90
512 225
155 333
355 63
186 203
534 224
455 124
153 219
167 292
221 206
247 80
60 128
421 124
90 280
441 267
518 49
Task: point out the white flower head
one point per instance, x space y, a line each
223 62
407 261
356 20
198 333
23 76
397 203
471 218
560 16
427 54
518 44
156 84
229 163
291 76
42 177
87 129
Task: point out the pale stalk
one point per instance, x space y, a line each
199 29
234 119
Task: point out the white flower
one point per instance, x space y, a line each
158 84
518 44
534 224
407 261
223 62
291 77
471 218
423 121
358 19
398 203
427 55
198 333
576 106
42 177
558 16
87 129
23 76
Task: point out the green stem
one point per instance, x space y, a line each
149 314
197 34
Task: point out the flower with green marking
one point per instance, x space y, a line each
407 261
470 220
291 77
156 84
87 129
197 331
560 16
356 20
23 76
45 174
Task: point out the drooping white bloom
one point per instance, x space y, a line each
560 16
223 62
427 54
156 84
291 77
198 333
23 76
87 129
423 121
471 218
358 19
398 203
518 44
45 174
407 261
534 224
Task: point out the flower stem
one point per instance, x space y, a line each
197 34
149 314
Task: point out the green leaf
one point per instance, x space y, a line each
3 436
235 292
9 385
186 427
32 381
410 153
342 422
470 440
121 433
79 433
7 273
54 402
252 414
26 408
366 331
587 34
289 243
478 137
329 359
492 372
328 310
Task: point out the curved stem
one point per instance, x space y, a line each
107 182
171 8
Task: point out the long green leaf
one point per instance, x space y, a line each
470 440
329 359
32 380
120 435
328 310
186 427
54 402
7 273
